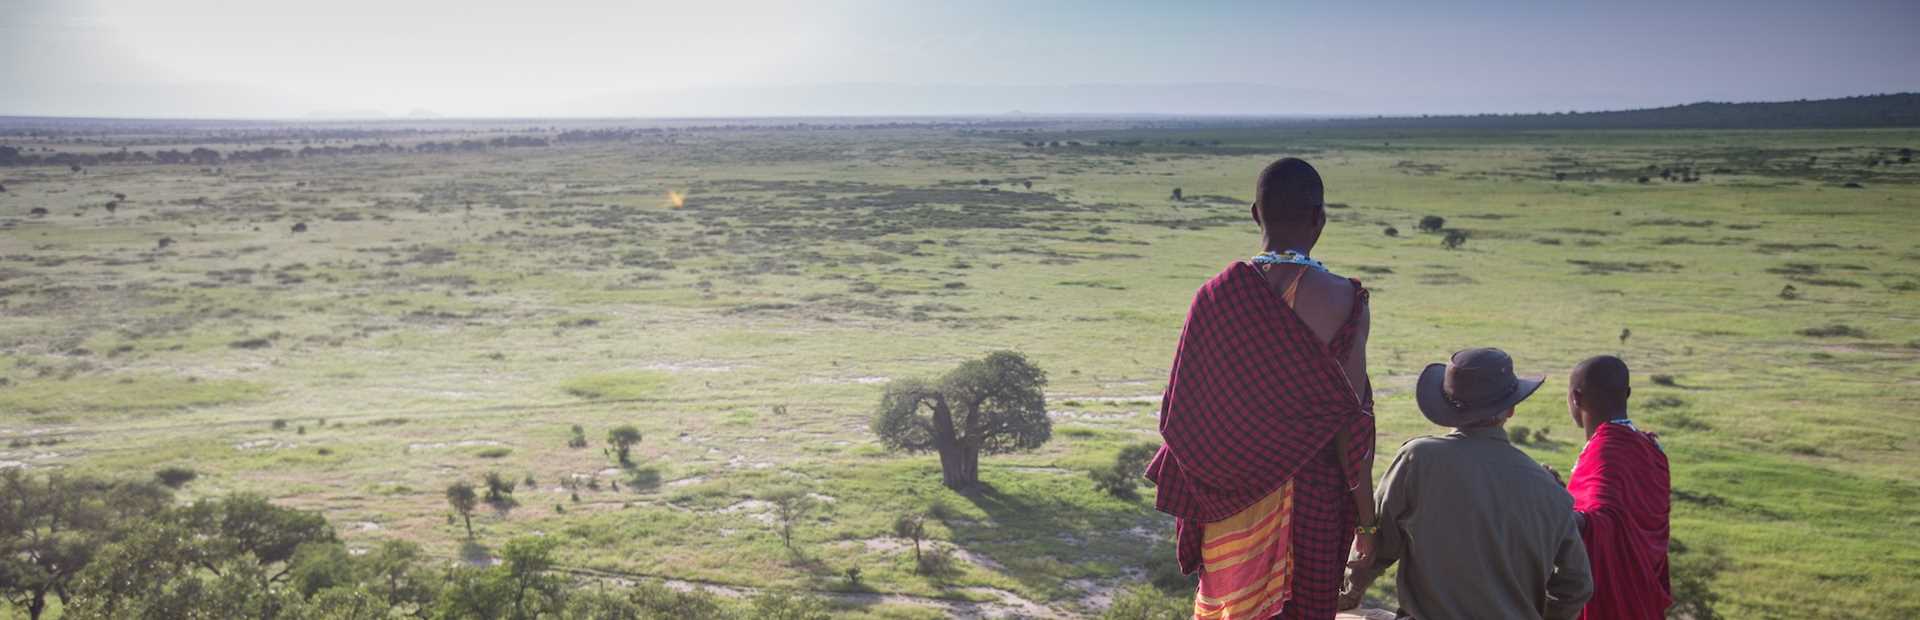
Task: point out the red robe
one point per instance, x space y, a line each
1621 485
1254 400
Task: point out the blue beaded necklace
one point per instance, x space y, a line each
1289 257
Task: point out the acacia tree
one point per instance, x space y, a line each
51 528
622 439
461 497
993 404
790 505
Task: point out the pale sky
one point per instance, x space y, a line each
468 58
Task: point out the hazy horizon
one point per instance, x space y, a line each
574 59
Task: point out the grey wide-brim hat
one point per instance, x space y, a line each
1475 386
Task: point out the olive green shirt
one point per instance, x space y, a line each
1481 532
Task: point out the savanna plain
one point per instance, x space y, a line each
351 330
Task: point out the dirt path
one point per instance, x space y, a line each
1006 605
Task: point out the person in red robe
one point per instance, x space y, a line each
1620 490
1268 410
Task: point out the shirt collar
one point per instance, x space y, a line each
1496 432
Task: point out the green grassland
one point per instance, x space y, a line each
440 307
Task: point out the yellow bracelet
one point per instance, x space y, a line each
1367 529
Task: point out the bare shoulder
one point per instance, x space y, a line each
1332 292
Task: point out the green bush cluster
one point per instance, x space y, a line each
113 549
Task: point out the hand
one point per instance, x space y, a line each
1351 593
1362 551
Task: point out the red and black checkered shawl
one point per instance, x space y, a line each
1253 397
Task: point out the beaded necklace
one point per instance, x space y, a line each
1289 257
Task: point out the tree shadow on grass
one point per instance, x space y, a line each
472 552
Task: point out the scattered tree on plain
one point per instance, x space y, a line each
912 527
995 405
461 497
790 505
622 439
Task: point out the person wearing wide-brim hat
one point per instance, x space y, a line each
1480 530
1477 387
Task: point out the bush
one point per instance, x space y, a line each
1120 479
175 476
1666 380
1114 482
1454 239
1521 435
643 479
494 452
579 438
499 490
1432 223
1391 231
936 562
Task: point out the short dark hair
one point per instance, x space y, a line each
1289 193
1603 379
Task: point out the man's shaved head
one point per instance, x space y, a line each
1289 195
1603 383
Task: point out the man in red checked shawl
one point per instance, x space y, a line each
1620 497
1268 421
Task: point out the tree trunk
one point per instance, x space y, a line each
38 606
468 518
959 467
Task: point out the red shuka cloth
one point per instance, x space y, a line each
1253 396
1620 483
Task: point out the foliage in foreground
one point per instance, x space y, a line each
112 550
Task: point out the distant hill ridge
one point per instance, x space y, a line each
1895 110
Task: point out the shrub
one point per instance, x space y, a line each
1115 483
1391 231
644 479
1521 435
1120 479
279 425
499 490
936 562
1666 380
175 476
1454 239
494 452
1432 223
579 438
